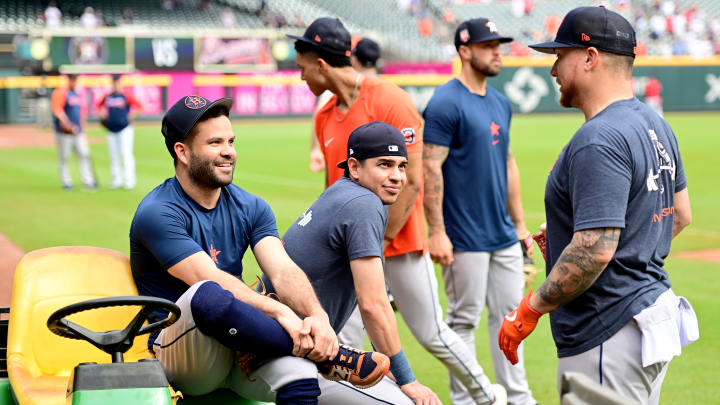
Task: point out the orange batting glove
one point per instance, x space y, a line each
516 326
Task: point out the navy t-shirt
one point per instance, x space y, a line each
118 108
476 129
72 108
169 226
621 169
345 223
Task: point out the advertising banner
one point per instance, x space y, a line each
153 54
234 54
532 89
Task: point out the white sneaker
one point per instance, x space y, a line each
500 394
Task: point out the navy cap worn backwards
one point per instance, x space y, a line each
183 115
477 30
367 52
328 34
598 27
372 140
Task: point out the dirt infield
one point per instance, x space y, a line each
11 255
30 136
708 255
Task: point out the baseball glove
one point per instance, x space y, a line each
529 269
68 127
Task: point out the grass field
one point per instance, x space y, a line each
272 162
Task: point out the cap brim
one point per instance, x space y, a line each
502 40
343 164
550 47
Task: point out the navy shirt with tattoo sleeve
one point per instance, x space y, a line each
621 169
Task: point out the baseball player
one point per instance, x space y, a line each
117 110
187 242
338 243
323 56
472 200
70 134
615 198
364 60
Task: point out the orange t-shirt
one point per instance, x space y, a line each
380 100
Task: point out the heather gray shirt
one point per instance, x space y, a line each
346 222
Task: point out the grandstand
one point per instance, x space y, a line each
388 21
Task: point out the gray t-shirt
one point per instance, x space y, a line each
346 222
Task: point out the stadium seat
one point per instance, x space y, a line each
39 362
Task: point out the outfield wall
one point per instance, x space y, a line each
529 87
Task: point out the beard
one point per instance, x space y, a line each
202 172
567 95
485 69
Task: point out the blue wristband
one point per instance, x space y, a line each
400 368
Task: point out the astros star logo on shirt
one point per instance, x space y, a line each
214 253
494 131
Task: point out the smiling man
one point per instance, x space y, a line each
187 242
338 242
613 314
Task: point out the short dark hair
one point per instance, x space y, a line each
621 63
212 112
346 173
332 59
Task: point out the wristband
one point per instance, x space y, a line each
400 368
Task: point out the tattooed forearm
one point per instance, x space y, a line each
579 265
433 158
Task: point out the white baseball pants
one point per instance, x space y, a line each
493 279
122 160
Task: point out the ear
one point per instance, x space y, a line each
182 152
354 168
464 52
323 66
592 58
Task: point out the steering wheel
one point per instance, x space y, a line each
114 342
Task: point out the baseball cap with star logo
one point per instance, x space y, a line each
598 27
478 30
328 34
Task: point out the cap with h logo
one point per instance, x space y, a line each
328 34
598 27
183 115
374 139
477 30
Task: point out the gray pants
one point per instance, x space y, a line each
492 279
412 281
66 144
197 364
620 364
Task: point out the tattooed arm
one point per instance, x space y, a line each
579 265
440 246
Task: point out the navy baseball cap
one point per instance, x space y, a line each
328 34
183 115
477 30
374 139
367 52
598 27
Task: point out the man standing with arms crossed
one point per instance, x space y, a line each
323 56
187 241
472 200
615 198
70 134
